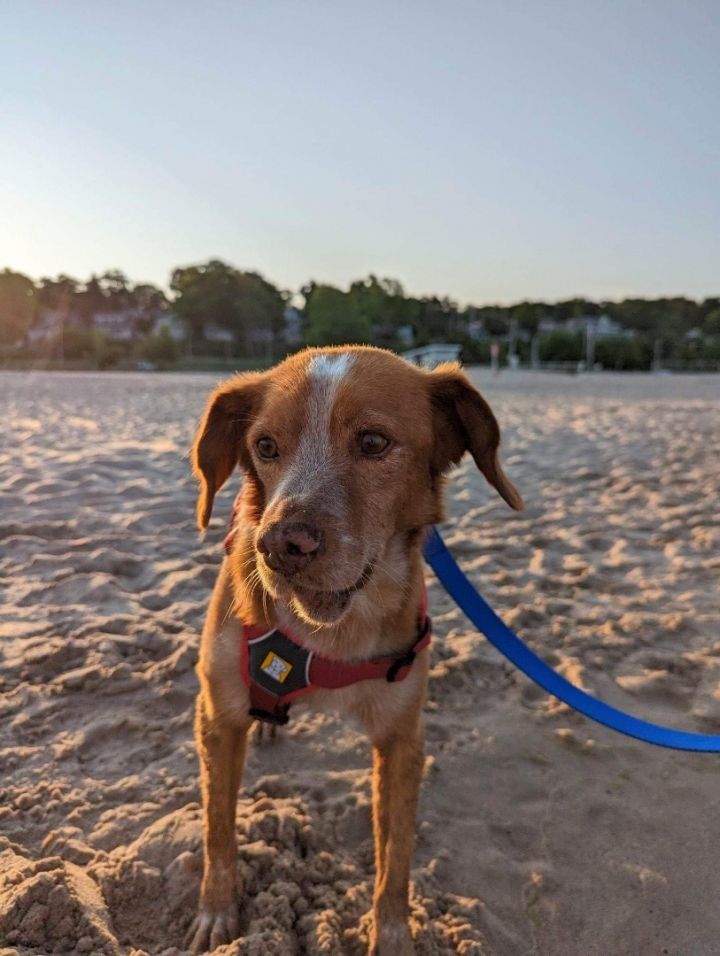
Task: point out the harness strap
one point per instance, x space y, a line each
330 675
321 673
266 707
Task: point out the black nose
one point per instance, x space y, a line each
288 547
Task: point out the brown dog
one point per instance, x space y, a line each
343 453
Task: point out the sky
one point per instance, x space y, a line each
489 151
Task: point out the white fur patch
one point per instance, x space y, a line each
331 367
312 471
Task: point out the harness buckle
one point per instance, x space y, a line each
398 665
407 659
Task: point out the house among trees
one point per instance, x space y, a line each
293 320
598 326
119 326
49 323
167 323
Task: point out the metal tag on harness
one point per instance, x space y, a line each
277 664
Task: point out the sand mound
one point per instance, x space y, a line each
52 906
302 893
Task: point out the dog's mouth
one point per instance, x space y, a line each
327 606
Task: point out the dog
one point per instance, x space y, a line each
321 595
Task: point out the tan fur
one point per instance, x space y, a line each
369 511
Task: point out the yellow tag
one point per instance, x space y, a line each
275 667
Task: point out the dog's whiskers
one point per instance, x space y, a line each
393 574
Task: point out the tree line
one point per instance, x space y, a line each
214 310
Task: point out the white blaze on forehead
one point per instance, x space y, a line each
312 468
330 368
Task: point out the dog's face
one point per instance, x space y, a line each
343 452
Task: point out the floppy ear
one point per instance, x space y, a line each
463 421
218 444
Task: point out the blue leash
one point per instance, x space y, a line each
509 644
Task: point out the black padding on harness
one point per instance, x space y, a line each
277 664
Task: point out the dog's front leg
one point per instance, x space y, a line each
221 747
397 769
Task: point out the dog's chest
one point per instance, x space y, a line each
375 704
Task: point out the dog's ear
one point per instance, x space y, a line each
218 446
463 421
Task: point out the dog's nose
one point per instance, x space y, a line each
289 547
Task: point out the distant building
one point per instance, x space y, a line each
387 335
49 323
123 325
405 335
476 329
598 326
292 333
214 333
119 326
170 322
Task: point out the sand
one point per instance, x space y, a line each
538 833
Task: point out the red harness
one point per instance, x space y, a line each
277 668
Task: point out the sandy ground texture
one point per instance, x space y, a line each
539 832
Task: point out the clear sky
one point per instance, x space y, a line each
490 151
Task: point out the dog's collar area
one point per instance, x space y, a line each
277 669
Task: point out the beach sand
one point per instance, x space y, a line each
539 832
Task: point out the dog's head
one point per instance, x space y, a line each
343 452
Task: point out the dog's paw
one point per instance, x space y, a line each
212 928
392 939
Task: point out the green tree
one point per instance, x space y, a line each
711 325
495 319
147 301
115 289
260 307
205 295
382 304
57 293
561 346
439 320
17 306
574 309
333 318
161 349
79 344
622 354
214 293
527 315
90 300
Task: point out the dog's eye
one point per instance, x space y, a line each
372 443
266 448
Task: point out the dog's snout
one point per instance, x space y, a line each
288 547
